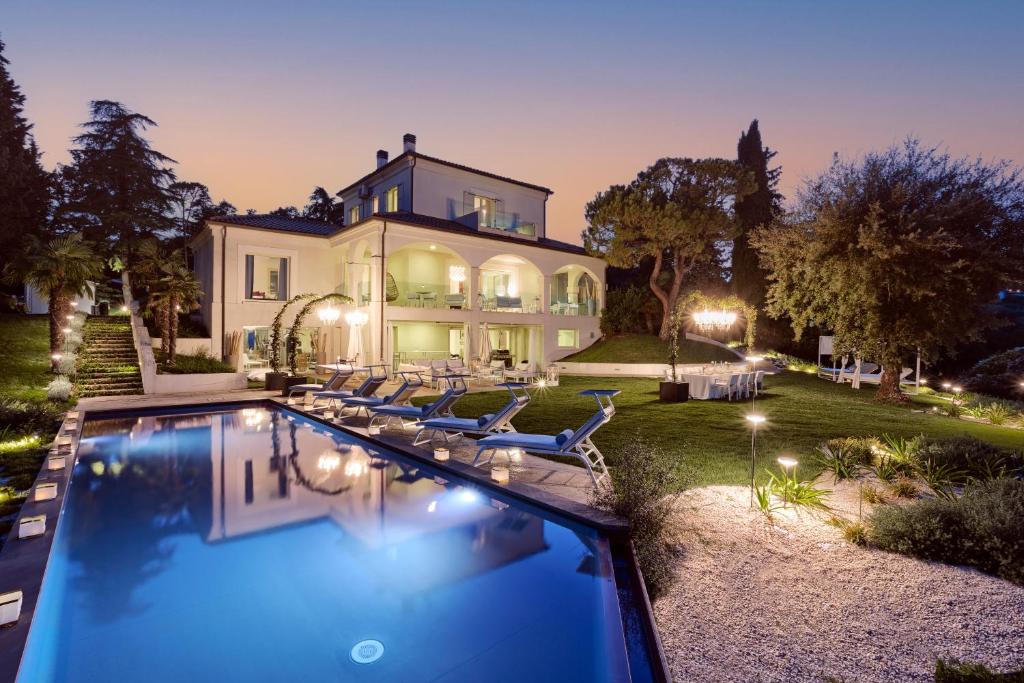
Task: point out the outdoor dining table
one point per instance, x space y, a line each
701 385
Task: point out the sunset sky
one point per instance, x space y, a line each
264 100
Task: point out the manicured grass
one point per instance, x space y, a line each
200 364
713 437
24 356
647 348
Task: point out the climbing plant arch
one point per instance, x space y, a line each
698 300
293 331
275 330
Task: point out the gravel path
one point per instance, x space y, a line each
795 602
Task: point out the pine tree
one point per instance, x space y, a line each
119 182
24 184
753 210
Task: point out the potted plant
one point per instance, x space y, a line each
671 390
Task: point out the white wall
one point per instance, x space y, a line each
38 304
436 185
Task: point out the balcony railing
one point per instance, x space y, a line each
581 308
425 295
500 221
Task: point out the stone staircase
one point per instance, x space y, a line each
107 362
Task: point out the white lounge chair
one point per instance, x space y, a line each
440 407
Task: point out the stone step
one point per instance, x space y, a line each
115 392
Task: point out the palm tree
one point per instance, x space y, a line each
60 269
149 266
180 288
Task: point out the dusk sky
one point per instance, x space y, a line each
262 101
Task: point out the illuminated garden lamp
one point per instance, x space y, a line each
787 463
755 421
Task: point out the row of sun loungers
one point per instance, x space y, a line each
436 420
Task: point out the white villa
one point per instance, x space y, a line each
434 253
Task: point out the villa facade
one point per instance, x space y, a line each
433 253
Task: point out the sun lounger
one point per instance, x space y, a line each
378 374
411 382
576 444
335 383
442 406
492 423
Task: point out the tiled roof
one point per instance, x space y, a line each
303 226
434 223
450 164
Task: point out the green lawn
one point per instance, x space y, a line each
713 436
646 348
24 356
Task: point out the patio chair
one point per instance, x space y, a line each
568 443
411 382
508 302
441 406
489 424
378 374
335 383
455 300
522 372
731 384
492 372
428 299
759 381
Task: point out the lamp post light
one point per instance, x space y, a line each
755 421
787 463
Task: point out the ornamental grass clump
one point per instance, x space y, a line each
647 482
846 458
59 389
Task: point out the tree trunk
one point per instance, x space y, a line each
162 322
889 386
56 308
662 296
172 332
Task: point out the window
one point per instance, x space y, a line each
353 215
568 339
266 278
496 283
486 208
376 203
391 199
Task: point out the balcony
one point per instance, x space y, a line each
499 222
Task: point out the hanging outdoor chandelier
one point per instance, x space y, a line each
714 320
328 314
457 273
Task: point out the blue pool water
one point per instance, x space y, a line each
255 545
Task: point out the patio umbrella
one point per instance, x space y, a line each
355 343
485 344
532 350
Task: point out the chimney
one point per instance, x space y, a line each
382 157
408 142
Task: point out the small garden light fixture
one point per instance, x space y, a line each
755 421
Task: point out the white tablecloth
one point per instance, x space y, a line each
701 385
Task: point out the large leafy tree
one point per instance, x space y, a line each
677 212
758 208
188 202
323 207
896 252
120 183
24 185
60 268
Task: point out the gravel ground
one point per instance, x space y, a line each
795 602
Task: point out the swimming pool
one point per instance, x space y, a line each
254 544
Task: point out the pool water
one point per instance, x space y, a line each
256 545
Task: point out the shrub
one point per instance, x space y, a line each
871 494
967 672
855 532
67 365
25 417
59 389
624 311
997 413
997 375
788 362
798 493
646 484
976 458
902 487
200 363
981 528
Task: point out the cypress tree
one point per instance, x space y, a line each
753 210
24 184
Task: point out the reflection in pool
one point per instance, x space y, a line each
255 545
